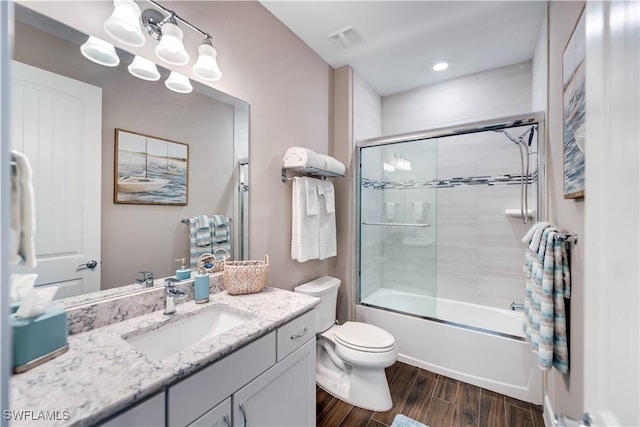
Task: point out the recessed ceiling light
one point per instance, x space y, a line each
441 65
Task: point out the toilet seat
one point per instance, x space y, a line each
364 337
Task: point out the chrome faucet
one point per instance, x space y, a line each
170 293
147 279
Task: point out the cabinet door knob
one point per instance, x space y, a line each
244 414
300 335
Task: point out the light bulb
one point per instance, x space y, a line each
144 69
170 49
100 52
178 83
124 23
206 67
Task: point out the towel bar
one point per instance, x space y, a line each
311 171
396 224
569 237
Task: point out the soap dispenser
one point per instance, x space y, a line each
183 273
201 286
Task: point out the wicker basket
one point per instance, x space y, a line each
212 263
245 277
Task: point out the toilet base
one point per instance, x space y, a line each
361 387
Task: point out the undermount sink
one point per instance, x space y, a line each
181 334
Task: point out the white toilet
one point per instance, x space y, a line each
351 358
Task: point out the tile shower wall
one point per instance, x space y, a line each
479 253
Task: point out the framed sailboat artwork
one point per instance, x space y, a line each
150 170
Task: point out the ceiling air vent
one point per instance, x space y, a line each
347 37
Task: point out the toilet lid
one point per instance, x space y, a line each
364 337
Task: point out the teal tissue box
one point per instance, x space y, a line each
39 338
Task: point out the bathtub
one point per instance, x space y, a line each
479 345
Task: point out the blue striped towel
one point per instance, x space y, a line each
219 229
548 283
203 231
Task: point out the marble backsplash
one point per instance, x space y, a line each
85 313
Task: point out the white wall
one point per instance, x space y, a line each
565 392
500 92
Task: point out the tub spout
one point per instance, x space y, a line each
517 306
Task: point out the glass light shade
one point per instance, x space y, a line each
124 23
100 52
178 83
206 67
170 49
144 69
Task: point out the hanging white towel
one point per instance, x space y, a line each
327 220
23 219
391 210
418 210
304 227
326 193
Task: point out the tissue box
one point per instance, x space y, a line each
14 307
38 339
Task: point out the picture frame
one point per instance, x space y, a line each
149 170
573 111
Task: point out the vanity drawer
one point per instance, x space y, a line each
192 397
295 333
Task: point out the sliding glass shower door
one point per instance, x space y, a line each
397 186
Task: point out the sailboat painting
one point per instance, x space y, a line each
150 170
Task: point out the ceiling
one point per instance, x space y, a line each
403 39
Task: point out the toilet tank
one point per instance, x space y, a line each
325 288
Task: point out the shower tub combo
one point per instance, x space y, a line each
440 258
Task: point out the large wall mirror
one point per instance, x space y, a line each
125 239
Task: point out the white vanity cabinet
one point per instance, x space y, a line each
282 396
268 382
149 412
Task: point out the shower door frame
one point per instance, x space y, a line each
461 129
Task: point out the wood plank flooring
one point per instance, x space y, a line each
434 400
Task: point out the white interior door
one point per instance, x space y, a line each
57 123
612 214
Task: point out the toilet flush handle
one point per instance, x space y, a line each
300 335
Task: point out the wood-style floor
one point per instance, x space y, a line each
434 400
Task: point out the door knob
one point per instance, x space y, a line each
90 264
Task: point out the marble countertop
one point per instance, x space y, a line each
102 374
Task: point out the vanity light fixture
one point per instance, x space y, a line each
100 52
164 27
124 23
441 65
178 83
144 69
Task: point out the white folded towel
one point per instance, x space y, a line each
418 210
333 165
391 210
312 201
303 157
304 228
327 221
325 191
23 215
299 157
